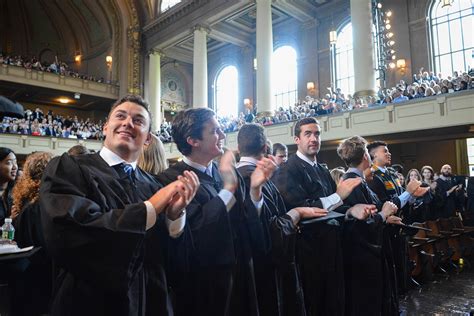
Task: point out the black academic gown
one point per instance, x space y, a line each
449 203
319 246
387 188
278 285
366 266
94 227
212 269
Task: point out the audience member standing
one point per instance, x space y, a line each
8 173
451 193
303 182
96 212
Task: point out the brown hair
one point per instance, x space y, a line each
27 188
430 169
352 150
152 158
407 178
133 98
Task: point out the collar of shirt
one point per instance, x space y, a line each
195 165
247 161
445 178
356 171
303 157
112 159
384 170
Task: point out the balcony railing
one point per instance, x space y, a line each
58 82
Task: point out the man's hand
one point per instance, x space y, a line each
227 171
362 211
345 187
412 186
163 197
190 184
421 191
388 209
311 212
433 185
261 174
394 220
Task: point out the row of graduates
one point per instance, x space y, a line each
207 239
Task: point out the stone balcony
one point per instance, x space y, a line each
48 80
448 110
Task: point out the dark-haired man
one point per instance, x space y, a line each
280 152
388 188
278 285
365 266
104 224
214 273
303 182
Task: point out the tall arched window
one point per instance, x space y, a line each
166 4
451 30
226 96
344 63
284 77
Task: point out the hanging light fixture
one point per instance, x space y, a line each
446 3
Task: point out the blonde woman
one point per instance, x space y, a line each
152 158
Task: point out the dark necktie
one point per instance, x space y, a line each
125 171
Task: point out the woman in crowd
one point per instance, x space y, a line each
8 173
428 176
35 278
152 158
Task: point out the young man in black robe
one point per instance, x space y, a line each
100 214
214 271
387 187
365 266
278 285
303 182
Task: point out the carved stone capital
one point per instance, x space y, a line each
156 51
202 28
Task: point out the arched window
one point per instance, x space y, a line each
451 34
227 92
166 4
344 64
284 77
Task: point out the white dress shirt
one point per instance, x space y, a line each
331 202
175 228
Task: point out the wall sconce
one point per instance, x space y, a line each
401 65
310 87
78 57
446 3
332 37
108 60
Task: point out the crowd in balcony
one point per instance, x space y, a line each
425 84
36 123
56 67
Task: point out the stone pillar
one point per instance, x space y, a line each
200 86
154 88
264 57
363 48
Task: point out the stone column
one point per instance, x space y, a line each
154 88
363 48
264 57
200 86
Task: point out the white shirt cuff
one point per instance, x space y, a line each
176 227
228 198
150 215
258 205
331 202
295 216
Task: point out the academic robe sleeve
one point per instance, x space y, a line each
89 228
292 184
378 187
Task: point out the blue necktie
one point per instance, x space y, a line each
125 170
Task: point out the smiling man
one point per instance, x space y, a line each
101 214
214 273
